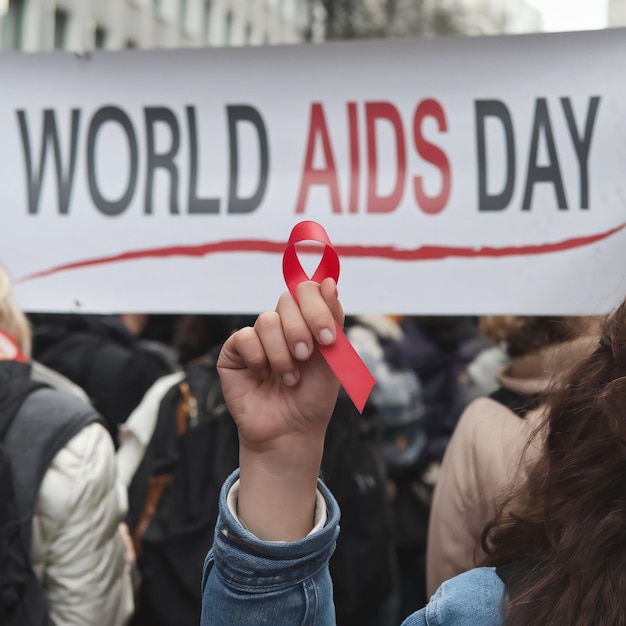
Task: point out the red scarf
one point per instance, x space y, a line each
9 346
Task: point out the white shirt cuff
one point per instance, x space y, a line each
319 519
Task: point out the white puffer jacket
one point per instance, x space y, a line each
77 549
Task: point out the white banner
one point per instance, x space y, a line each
453 175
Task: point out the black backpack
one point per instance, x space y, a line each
174 495
23 600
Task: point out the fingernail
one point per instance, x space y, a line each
289 379
326 336
301 351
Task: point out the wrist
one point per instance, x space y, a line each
293 453
277 489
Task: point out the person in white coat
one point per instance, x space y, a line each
78 550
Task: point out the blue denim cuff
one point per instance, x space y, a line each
246 562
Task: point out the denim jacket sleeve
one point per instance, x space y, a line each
473 598
249 582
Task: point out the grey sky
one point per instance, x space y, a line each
572 14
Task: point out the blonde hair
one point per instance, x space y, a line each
12 320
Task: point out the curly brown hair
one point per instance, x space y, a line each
572 520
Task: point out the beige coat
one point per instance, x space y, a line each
486 459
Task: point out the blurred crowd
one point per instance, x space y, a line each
118 440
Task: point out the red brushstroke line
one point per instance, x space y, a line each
423 253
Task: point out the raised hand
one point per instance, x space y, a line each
274 380
281 394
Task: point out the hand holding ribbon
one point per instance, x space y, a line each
340 356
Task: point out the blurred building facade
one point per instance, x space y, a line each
617 13
396 18
471 17
80 25
493 17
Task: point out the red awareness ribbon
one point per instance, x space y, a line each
341 357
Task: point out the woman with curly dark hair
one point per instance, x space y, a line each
567 535
489 452
556 554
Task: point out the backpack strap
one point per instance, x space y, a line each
519 403
44 423
517 574
156 487
15 387
507 571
